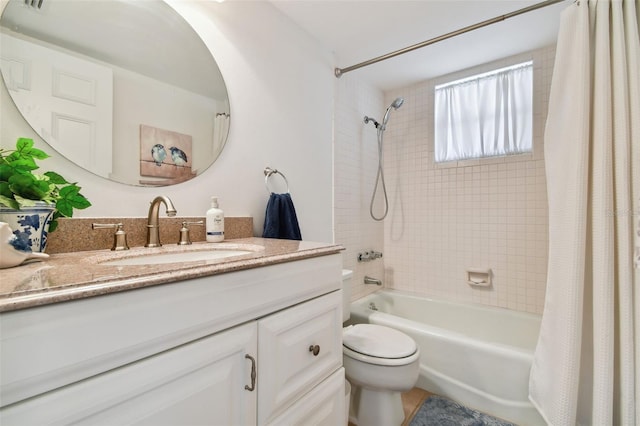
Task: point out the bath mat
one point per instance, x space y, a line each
439 411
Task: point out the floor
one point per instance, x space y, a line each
411 402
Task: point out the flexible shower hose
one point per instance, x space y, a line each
379 179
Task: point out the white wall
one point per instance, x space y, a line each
281 86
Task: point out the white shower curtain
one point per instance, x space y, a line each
586 367
220 131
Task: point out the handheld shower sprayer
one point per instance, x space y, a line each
397 103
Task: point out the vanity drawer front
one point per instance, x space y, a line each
323 406
297 349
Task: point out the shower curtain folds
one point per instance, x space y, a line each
586 368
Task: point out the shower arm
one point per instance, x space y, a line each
339 71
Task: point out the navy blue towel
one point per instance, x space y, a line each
280 220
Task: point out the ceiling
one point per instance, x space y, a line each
359 30
355 30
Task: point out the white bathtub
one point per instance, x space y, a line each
479 356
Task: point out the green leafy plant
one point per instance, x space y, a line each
21 187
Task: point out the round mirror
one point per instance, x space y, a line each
125 89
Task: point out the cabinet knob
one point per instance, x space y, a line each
315 349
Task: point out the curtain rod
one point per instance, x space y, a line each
339 71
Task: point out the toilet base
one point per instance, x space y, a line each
375 407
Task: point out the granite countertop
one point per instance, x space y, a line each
71 276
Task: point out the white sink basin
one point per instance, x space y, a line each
189 256
176 254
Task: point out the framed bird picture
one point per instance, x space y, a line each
164 154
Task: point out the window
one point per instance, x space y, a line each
485 115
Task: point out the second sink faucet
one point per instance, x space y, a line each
153 222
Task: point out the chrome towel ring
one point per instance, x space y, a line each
268 171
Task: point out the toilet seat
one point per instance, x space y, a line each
383 362
379 345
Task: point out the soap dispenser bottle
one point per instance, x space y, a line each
215 222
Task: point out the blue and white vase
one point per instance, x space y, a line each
12 251
30 224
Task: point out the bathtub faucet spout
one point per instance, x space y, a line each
369 280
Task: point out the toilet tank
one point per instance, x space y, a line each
346 294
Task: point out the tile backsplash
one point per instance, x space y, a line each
75 234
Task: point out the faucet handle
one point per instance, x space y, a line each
119 238
184 232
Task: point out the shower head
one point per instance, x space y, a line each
397 103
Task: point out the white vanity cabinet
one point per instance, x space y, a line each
183 353
200 383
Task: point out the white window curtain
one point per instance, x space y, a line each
485 115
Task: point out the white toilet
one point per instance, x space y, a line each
380 363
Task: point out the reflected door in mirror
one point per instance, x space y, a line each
66 99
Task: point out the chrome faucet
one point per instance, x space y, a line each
153 223
369 280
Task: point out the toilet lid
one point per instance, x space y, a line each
378 341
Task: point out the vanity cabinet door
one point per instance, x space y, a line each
298 348
202 382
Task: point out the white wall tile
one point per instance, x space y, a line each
481 213
442 218
355 168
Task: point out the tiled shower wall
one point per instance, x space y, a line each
355 166
487 214
443 219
